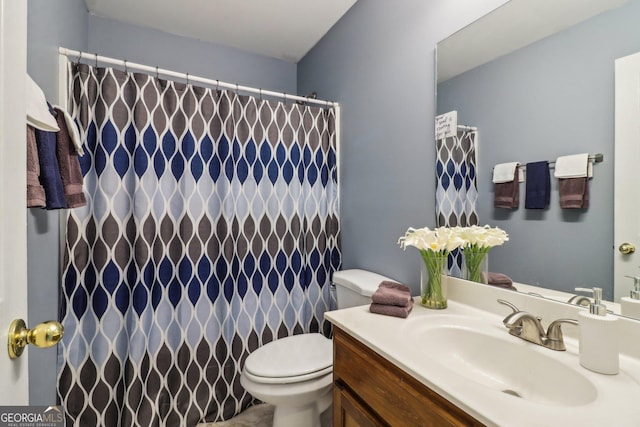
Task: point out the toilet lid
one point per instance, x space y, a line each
295 356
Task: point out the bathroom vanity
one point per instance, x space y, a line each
371 391
461 367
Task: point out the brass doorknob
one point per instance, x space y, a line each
43 335
627 248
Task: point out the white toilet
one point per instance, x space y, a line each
295 373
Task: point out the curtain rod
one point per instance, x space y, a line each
218 84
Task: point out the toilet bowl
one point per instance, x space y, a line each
296 373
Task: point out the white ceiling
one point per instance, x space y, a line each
513 25
283 29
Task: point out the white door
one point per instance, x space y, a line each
627 178
14 387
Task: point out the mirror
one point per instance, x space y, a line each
537 80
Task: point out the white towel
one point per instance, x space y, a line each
575 166
38 114
504 172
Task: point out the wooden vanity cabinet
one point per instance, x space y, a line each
368 390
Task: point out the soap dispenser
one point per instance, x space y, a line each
630 306
598 336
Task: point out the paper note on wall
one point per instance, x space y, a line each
446 125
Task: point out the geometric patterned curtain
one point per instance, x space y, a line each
456 186
211 228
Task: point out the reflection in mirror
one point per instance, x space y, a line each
538 87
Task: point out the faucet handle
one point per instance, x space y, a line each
508 304
554 334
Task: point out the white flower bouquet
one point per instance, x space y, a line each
478 241
434 246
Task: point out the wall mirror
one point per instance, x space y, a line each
536 77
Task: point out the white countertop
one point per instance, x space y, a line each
395 339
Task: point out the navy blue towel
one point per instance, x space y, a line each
538 186
50 170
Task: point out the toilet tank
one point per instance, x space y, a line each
354 287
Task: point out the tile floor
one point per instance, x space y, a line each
260 416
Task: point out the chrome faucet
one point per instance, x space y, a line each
579 300
529 327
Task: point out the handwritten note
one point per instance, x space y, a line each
446 124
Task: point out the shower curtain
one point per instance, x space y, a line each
456 187
211 228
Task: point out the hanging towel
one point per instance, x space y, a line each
503 172
69 165
574 166
538 186
72 130
38 114
506 195
574 193
50 169
35 191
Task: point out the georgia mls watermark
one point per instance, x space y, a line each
31 416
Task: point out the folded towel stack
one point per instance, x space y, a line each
392 299
573 174
498 279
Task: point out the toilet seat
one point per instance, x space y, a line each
292 359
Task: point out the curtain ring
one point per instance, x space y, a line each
96 56
217 85
187 78
237 90
126 70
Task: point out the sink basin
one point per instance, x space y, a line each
505 364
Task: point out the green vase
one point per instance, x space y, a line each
433 281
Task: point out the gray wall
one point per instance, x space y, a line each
552 98
378 62
66 23
50 24
156 48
